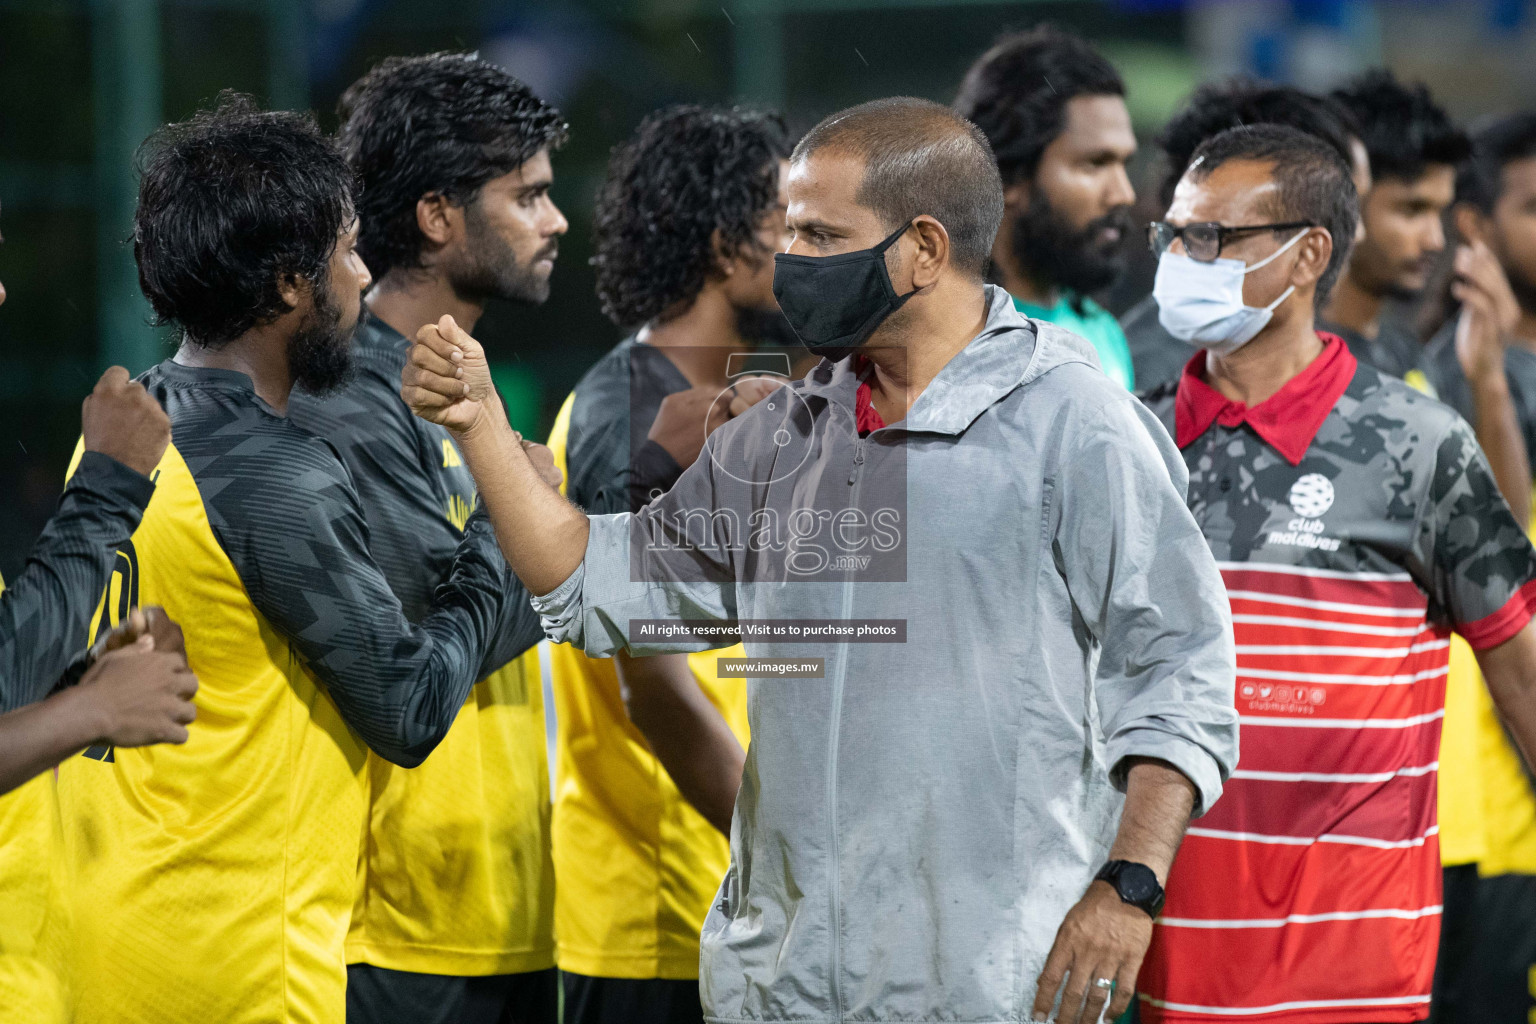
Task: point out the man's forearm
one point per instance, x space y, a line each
543 536
1498 433
1158 803
686 732
1102 937
1510 672
39 736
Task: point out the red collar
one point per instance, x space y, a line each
866 417
1288 420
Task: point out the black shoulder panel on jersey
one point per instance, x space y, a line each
1443 368
45 613
282 506
416 492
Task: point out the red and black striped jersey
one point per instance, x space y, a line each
1357 525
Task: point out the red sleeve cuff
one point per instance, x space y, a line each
1492 630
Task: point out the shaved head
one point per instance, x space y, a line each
919 158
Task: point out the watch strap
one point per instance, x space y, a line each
1151 901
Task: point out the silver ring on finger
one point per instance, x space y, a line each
1103 983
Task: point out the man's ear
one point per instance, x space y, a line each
293 290
932 252
1316 250
1470 223
438 219
724 263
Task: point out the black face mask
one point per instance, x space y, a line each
835 302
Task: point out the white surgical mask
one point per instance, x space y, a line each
1202 303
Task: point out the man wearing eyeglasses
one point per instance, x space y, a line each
1356 525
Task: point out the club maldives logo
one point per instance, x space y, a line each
1310 498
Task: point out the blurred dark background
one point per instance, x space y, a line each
82 83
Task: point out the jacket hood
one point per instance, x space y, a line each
1012 351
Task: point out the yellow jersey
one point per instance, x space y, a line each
214 881
48 617
1508 798
455 876
183 855
636 866
35 983
34 929
1463 838
1487 803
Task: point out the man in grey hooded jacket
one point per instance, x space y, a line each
931 829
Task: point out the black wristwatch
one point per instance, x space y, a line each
1135 883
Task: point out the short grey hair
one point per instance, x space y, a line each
920 157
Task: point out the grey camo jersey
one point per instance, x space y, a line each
283 507
45 613
1397 483
416 492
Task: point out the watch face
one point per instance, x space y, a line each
1138 884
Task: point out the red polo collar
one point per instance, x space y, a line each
866 416
1288 420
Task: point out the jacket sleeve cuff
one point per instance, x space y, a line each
105 476
560 609
1195 762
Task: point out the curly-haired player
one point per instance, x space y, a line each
651 748
453 919
692 184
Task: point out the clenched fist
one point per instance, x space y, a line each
140 695
447 379
152 622
120 419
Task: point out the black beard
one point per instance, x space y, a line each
1053 253
320 352
489 268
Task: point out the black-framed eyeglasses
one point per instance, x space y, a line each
1204 240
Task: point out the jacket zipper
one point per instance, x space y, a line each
834 881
